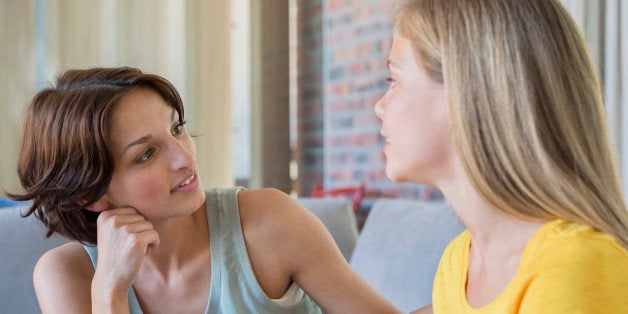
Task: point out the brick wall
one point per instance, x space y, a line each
342 75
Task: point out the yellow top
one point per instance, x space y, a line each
565 268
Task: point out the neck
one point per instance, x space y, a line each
493 231
181 239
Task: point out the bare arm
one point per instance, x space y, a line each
321 270
311 258
424 310
124 239
62 279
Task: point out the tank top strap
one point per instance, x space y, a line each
233 279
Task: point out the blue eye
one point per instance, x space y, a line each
145 156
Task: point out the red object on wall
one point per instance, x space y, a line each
357 192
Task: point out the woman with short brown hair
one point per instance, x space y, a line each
107 162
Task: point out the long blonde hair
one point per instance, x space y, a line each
525 106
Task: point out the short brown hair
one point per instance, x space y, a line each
65 162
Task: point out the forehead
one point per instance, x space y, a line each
139 113
401 53
402 62
140 102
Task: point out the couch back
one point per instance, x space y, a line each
397 252
400 246
22 242
337 216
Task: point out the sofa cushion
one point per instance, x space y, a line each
400 247
337 215
22 241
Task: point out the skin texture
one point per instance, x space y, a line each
414 120
420 149
153 234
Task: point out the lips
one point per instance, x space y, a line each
385 147
384 136
188 183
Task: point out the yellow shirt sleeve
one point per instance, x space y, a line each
582 275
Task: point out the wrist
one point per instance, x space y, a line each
109 303
107 297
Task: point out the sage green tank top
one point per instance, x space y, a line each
234 288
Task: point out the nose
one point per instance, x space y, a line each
379 107
182 155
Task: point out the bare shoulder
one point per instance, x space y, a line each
62 278
69 257
264 198
284 237
272 236
274 220
270 208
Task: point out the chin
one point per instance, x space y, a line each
201 195
403 176
395 176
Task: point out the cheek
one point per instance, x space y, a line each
428 132
125 190
441 123
439 131
188 144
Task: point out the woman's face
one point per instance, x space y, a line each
155 158
414 120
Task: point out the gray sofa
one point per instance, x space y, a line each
22 242
397 250
337 215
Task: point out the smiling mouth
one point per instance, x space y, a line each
190 179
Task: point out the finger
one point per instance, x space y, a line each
150 240
138 242
119 217
122 211
138 227
127 219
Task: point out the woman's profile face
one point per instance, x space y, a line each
155 158
414 119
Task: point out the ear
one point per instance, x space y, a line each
99 206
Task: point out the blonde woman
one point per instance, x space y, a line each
497 103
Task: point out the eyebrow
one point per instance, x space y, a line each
141 140
147 138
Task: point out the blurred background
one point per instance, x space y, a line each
282 91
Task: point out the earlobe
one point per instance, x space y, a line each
100 205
